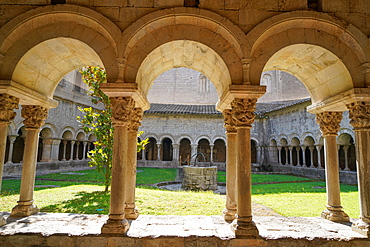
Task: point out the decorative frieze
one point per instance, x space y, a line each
359 113
329 122
34 115
7 104
122 110
243 111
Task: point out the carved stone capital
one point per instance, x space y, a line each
7 104
229 121
359 113
136 117
34 115
243 111
329 122
122 110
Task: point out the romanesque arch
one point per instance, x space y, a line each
57 39
153 45
319 50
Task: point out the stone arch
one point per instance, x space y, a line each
318 49
219 150
185 150
168 137
347 152
346 131
203 137
52 129
58 39
273 151
217 138
309 151
153 43
183 137
68 133
80 135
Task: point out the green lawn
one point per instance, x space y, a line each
87 196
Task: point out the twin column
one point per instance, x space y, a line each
126 120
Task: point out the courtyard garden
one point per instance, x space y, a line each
83 192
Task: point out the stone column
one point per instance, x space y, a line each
84 150
345 149
7 105
318 147
329 123
231 153
10 153
143 154
279 156
297 148
211 146
311 156
77 150
291 155
122 108
55 150
46 151
34 117
130 211
72 149
194 150
359 113
176 152
243 115
64 150
159 151
286 155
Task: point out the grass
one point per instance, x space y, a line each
305 199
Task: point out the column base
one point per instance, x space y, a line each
361 227
131 213
2 221
229 214
335 214
24 209
243 229
116 224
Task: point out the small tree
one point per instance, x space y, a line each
99 122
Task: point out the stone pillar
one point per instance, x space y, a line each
84 150
130 211
297 148
194 150
46 151
7 105
143 154
122 108
279 156
345 149
55 149
311 156
77 150
359 113
243 115
72 149
329 123
159 151
34 117
211 146
10 153
303 156
64 150
231 153
291 155
176 152
318 147
286 155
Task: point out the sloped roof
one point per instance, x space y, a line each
211 110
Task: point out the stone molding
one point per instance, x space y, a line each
34 115
7 104
359 113
329 122
136 117
243 111
122 110
229 121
